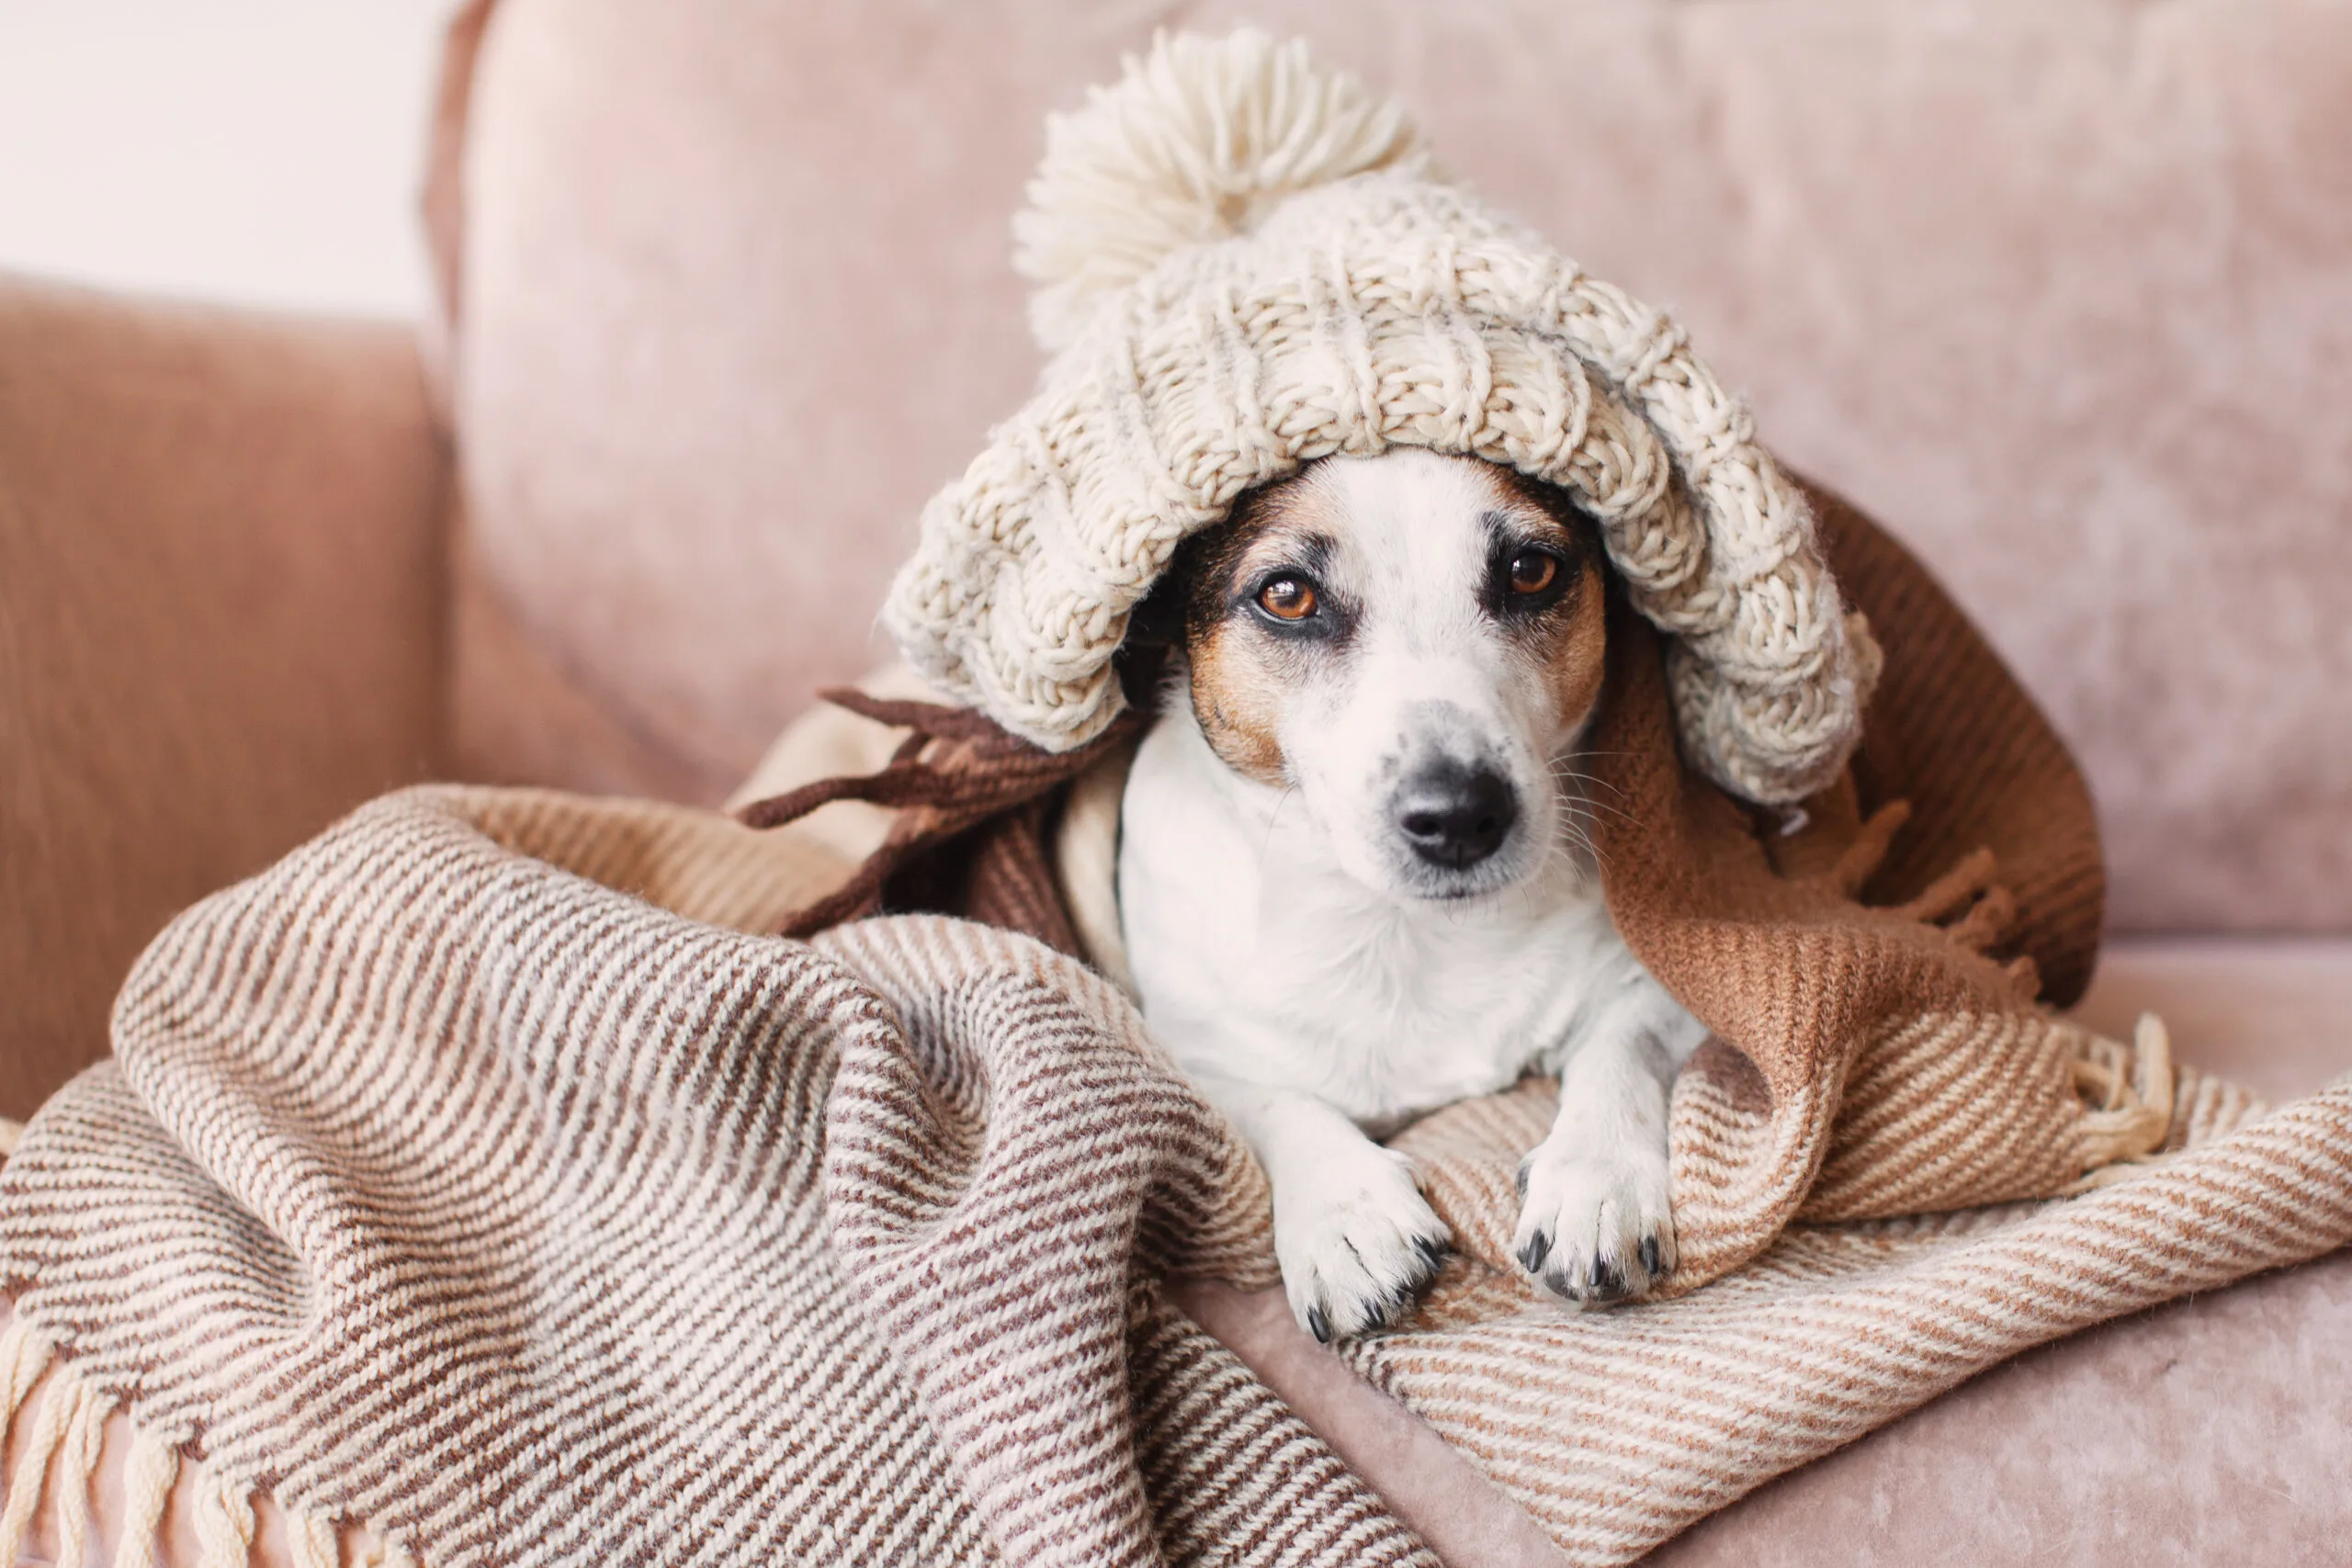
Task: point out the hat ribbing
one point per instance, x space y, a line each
1246 263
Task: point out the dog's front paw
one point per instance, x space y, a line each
1594 1227
1357 1241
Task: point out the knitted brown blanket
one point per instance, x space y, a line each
477 1175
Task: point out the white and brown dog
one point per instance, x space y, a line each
1355 881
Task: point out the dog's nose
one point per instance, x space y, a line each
1455 815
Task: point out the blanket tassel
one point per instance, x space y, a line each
2134 1118
66 1436
148 1472
77 1467
385 1555
224 1524
313 1541
24 1357
62 1439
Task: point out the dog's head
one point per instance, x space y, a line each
1413 643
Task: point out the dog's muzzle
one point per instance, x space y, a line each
1455 815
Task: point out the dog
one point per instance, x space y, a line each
1356 880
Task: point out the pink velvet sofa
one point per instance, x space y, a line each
2061 292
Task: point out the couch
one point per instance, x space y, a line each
2061 293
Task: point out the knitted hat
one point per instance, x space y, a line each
1245 263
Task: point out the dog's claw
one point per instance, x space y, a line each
1357 1242
1594 1230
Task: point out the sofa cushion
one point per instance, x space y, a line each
219 575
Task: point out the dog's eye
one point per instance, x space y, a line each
1288 598
1531 571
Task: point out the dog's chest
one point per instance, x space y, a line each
1388 1016
1259 960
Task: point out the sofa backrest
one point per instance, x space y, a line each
2062 294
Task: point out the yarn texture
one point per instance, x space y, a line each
1245 263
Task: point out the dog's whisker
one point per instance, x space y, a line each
1565 846
1266 843
1572 839
1618 811
1613 811
1564 770
1594 781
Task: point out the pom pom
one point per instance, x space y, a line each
1194 145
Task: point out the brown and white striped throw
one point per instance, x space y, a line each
479 1176
438 1187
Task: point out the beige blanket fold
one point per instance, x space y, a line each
438 1187
484 1175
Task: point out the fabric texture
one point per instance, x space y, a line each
989 800
618 1181
504 1075
1246 263
662 1197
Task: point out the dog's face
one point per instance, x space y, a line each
1412 642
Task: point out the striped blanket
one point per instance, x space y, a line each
486 1184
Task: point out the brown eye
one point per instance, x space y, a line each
1288 598
1531 571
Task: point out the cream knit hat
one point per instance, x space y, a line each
1245 263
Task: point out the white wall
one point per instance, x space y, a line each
262 152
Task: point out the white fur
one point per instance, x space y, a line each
1321 987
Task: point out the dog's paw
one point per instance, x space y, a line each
1594 1227
1357 1241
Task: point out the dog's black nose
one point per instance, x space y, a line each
1455 815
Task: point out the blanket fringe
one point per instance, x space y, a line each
312 1542
40 1441
77 1462
384 1555
61 1438
24 1355
224 1524
148 1472
2132 1118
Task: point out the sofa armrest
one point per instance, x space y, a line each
221 588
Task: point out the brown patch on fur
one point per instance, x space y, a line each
1569 643
1237 714
1234 687
1580 653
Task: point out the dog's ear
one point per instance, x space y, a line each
1156 631
1158 621
1164 618
1186 595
